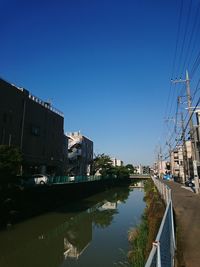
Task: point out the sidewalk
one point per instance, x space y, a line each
187 216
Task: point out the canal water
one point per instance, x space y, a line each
90 233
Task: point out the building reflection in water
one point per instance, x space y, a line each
138 184
78 235
51 240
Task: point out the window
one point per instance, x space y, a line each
35 131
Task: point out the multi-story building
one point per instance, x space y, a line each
80 154
197 139
142 169
161 168
116 162
180 169
145 170
177 167
139 169
34 126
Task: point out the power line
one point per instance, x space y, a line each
185 32
191 37
175 54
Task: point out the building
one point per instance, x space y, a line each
116 162
161 167
182 170
80 154
34 126
197 139
177 167
145 169
142 169
139 169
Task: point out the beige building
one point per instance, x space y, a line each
80 154
177 167
180 170
198 135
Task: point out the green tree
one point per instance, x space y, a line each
103 164
103 218
130 168
10 162
122 172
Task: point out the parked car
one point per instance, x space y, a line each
35 179
71 178
190 182
40 178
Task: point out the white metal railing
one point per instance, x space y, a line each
163 250
45 104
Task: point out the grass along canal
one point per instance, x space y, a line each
142 237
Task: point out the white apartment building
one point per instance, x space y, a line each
116 162
139 169
80 154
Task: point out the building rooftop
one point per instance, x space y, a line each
36 99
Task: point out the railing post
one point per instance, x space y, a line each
157 245
172 223
167 199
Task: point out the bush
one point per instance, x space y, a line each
10 162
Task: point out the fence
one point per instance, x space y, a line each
72 179
163 250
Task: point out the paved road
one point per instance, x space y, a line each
187 210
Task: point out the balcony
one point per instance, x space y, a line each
76 152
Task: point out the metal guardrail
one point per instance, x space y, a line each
163 250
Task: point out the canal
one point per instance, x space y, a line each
92 232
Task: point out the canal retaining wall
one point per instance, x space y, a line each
18 203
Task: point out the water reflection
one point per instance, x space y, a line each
56 238
78 235
137 184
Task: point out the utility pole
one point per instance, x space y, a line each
170 158
170 149
192 136
193 145
161 162
158 165
184 149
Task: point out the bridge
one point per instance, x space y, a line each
140 176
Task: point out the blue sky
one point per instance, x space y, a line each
105 63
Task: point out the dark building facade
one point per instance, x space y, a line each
35 127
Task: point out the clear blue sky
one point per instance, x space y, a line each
105 63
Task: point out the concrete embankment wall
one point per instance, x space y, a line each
21 203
